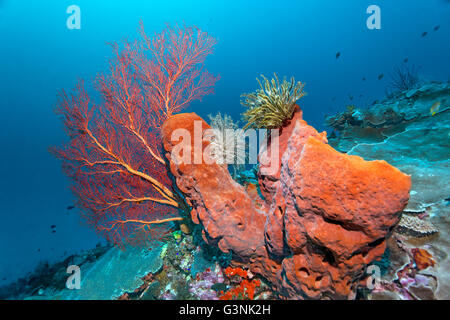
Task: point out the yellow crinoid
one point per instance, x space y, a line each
273 104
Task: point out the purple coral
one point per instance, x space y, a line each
201 287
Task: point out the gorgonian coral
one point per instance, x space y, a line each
113 157
273 104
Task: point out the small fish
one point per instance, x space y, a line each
364 79
381 76
70 207
424 34
405 61
435 108
350 97
38 250
53 226
53 231
437 28
338 55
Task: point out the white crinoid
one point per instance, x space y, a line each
227 141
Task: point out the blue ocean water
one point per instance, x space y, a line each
39 56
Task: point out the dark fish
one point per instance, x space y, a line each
437 28
350 97
53 231
38 250
406 60
338 55
53 226
70 207
364 79
381 76
424 34
219 287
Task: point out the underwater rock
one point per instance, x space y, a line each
326 215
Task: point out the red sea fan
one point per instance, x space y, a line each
113 155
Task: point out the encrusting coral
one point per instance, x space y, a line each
245 290
273 104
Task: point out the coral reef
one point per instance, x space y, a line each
404 132
324 217
206 284
409 276
410 132
273 104
307 230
